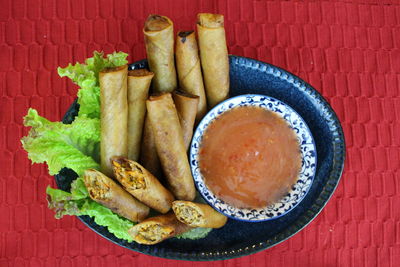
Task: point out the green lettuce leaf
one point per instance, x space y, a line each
75 145
78 189
62 203
78 203
195 233
104 216
89 102
86 76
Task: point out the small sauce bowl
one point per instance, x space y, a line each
307 149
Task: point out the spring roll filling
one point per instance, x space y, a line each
211 20
135 181
183 35
156 23
153 232
189 215
131 174
98 189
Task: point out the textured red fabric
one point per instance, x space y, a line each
348 50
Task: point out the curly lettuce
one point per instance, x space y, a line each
75 145
78 203
104 216
195 233
86 76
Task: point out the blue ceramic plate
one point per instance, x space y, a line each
237 238
307 150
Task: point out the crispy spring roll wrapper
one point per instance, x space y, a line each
159 40
214 57
198 215
108 193
156 229
114 116
138 90
170 146
148 151
186 105
140 183
189 69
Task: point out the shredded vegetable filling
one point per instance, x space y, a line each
97 189
189 215
136 179
130 175
154 232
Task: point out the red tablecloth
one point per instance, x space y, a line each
348 50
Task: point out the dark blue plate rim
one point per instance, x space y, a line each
339 154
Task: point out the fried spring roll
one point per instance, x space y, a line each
189 69
108 193
170 146
138 88
159 40
156 229
198 215
114 115
148 151
186 105
214 57
140 183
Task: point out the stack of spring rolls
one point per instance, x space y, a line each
156 130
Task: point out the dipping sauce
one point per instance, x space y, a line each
250 157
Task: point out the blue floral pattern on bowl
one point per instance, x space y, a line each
307 148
